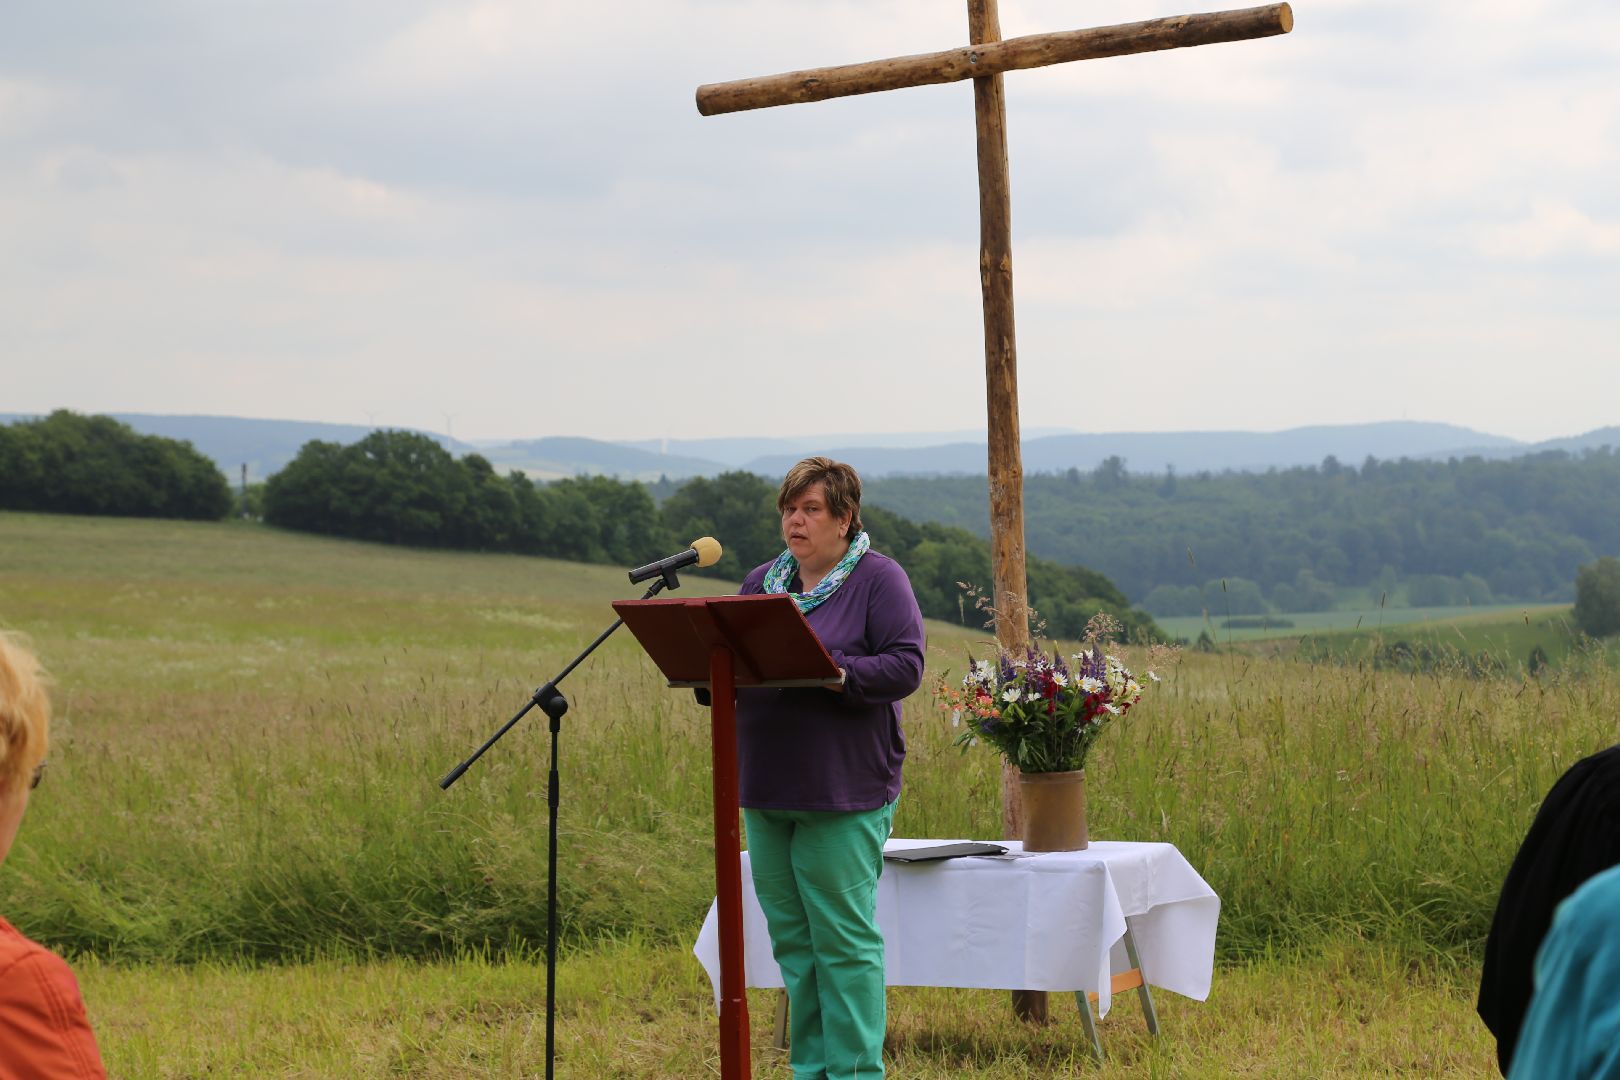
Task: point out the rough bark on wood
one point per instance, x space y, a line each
1006 467
992 57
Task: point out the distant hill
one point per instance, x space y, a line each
1574 444
738 453
266 445
1186 452
1592 440
553 458
721 453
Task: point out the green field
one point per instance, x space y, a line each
242 842
1347 620
1507 638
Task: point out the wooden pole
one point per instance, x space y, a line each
1006 465
992 57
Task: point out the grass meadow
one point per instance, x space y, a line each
1510 636
242 844
1348 620
1507 636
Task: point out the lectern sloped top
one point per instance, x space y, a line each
772 643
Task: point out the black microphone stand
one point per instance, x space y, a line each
553 704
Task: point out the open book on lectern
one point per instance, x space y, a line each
770 641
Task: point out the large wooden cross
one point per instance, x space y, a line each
984 60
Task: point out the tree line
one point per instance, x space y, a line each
67 463
1425 532
1236 544
404 488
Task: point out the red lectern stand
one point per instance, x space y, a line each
722 643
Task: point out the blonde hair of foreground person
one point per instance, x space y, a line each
25 720
43 1028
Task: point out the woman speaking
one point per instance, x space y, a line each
820 771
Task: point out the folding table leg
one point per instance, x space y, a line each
1082 999
1142 991
779 1036
1121 981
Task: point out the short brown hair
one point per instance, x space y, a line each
25 711
841 483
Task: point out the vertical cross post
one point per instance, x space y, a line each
1006 463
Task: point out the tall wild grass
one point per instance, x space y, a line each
251 727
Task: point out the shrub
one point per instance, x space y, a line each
1597 597
72 464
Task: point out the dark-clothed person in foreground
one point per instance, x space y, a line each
820 772
1572 1031
44 1033
1575 836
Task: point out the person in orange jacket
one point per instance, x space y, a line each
44 1033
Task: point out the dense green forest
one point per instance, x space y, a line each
401 487
1429 533
67 463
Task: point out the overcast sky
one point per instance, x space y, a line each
509 219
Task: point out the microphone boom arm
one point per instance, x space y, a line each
548 697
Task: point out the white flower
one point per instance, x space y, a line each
1090 684
1112 708
1032 696
1154 676
1060 678
1010 695
982 667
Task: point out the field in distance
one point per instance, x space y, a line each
1345 620
1514 637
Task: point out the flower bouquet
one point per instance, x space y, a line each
1041 712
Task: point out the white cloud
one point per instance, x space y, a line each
1553 228
415 207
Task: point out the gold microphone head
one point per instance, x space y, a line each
708 549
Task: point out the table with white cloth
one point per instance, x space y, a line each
1047 921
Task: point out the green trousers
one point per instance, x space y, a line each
816 875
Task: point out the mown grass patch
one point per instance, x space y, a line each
628 1009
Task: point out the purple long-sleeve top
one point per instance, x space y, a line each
815 749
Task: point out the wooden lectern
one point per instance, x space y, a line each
722 643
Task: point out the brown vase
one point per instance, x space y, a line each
1054 811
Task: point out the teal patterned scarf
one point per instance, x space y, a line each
785 566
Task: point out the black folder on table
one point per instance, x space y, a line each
943 851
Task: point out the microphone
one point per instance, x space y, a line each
705 551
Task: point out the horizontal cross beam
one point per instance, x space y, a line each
993 58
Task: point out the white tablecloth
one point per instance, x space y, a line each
1054 921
